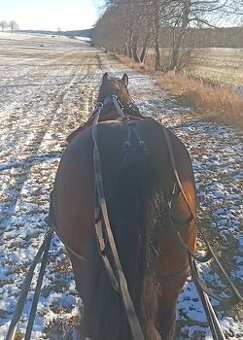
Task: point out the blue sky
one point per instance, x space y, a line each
50 14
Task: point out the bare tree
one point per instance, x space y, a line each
130 26
3 25
197 13
13 25
125 26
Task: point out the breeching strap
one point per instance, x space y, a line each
213 322
117 277
202 289
44 248
210 253
37 291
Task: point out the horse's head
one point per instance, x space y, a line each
114 86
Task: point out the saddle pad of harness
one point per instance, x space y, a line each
112 115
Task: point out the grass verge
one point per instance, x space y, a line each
218 103
221 104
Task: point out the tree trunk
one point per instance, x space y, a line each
145 49
129 45
126 49
135 49
178 39
156 45
156 50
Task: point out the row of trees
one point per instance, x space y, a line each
12 25
132 26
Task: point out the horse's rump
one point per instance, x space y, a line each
138 181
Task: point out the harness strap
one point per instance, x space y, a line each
26 285
69 249
118 107
174 195
210 253
183 272
128 304
178 181
112 277
236 298
214 324
201 284
37 291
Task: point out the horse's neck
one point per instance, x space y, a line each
128 108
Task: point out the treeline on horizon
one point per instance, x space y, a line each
79 33
230 37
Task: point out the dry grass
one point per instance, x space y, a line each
219 103
220 65
148 67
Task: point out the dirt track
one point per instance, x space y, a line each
48 86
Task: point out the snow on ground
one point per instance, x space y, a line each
47 88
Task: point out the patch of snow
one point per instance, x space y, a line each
45 97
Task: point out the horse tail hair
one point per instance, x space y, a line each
137 212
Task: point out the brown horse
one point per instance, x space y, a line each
141 193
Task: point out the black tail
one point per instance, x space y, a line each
137 214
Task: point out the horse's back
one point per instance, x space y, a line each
74 202
140 220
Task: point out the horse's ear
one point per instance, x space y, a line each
105 77
125 79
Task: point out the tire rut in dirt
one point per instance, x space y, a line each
21 175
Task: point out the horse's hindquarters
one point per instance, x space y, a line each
73 201
141 231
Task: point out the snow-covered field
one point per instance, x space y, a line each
47 88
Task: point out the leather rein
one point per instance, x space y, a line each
116 276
